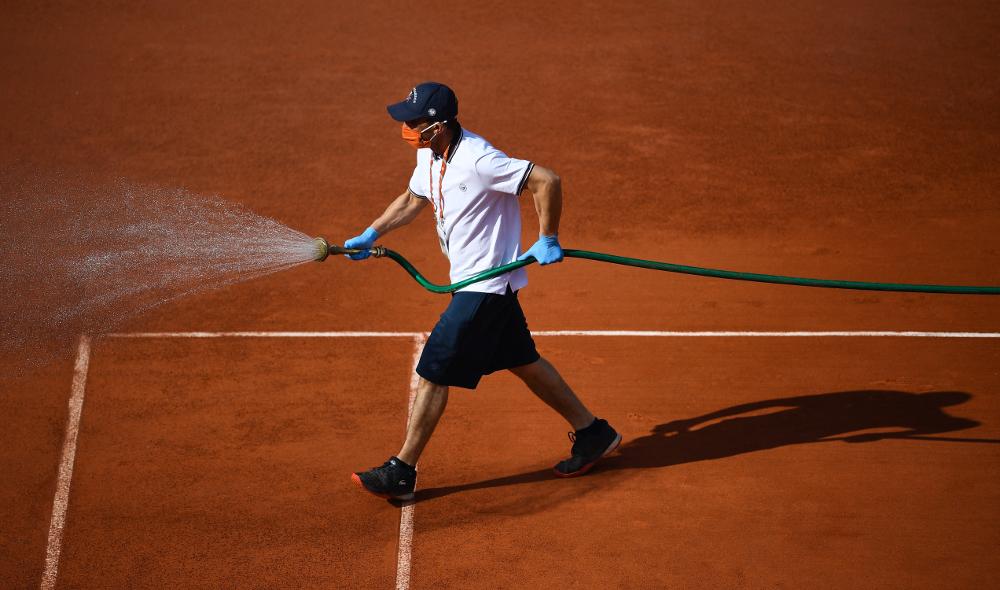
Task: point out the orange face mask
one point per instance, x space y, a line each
416 138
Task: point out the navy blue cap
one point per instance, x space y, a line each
430 99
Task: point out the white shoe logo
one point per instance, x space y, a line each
402 482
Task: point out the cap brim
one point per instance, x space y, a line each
404 111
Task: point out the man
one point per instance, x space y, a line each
473 188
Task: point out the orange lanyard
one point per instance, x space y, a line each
430 179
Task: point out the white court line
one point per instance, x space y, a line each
795 334
625 333
264 335
405 554
61 501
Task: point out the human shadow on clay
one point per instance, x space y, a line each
826 417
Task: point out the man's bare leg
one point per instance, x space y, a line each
428 405
545 382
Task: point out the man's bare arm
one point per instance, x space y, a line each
400 212
546 188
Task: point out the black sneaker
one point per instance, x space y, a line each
394 480
589 445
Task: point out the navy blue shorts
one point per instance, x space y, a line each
478 334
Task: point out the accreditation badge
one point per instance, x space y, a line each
441 236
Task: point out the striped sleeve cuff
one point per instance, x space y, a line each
524 179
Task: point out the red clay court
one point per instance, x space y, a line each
774 436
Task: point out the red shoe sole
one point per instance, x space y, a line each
583 470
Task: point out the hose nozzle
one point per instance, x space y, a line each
376 251
322 249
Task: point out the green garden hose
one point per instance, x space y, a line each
380 251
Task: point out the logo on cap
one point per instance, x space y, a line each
413 95
432 111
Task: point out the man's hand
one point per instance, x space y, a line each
363 242
546 250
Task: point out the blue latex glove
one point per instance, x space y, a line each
546 250
364 241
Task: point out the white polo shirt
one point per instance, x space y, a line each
476 209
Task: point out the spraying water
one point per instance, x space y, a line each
82 260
